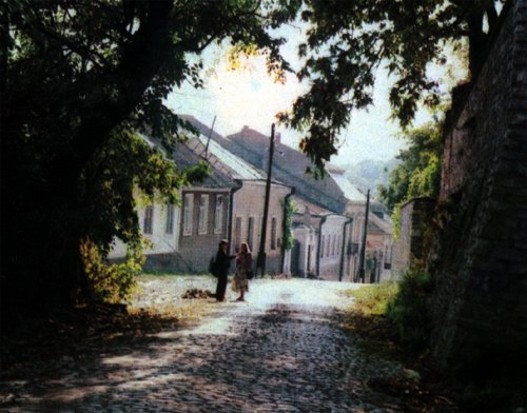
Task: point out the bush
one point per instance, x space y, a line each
409 310
111 283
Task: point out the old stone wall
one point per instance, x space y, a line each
409 248
480 304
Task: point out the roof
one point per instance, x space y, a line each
314 209
185 157
349 190
225 161
221 158
374 228
289 165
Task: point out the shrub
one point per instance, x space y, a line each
111 283
409 310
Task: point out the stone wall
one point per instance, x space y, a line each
480 304
409 247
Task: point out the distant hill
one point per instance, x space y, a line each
369 174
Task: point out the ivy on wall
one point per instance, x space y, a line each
287 223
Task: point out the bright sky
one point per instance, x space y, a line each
249 96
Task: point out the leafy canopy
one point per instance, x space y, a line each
76 77
419 173
347 41
80 81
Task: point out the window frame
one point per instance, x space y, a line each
218 213
148 220
273 232
237 232
169 223
203 215
250 231
188 213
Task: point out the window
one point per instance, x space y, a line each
250 232
238 232
273 233
322 246
169 227
218 215
328 246
188 209
149 219
333 245
203 219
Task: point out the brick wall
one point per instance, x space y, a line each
480 305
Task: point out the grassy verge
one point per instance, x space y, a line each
373 298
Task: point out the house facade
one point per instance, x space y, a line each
247 225
183 237
248 204
321 239
160 225
204 223
334 194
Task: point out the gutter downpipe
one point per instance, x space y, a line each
286 198
343 252
322 220
231 211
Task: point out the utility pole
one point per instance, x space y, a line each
260 262
361 275
210 135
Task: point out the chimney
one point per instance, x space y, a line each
277 138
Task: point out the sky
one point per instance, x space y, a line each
249 96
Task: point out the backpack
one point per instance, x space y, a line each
213 267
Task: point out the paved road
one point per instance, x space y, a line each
282 351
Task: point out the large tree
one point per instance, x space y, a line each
77 77
347 41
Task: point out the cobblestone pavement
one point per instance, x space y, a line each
281 351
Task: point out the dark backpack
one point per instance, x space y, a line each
213 267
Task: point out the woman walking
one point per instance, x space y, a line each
244 265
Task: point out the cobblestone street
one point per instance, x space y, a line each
281 351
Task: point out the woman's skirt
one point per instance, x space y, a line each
240 281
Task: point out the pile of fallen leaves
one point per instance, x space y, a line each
197 293
73 331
